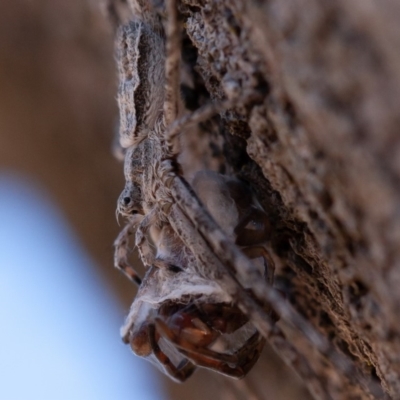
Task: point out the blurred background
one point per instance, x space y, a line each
61 301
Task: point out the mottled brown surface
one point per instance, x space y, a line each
321 149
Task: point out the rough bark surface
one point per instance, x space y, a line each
321 148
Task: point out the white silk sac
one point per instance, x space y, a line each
161 285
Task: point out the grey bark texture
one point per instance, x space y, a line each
321 148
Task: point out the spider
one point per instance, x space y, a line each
179 320
177 302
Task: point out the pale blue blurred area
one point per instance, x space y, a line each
59 326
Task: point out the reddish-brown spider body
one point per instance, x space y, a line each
178 337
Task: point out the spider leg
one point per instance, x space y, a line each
235 365
215 365
188 232
247 357
269 266
179 373
189 347
141 241
226 251
253 229
188 217
250 352
173 54
202 114
121 252
251 232
229 267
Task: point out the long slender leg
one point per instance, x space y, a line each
121 252
219 366
173 54
203 114
121 245
179 373
248 357
269 268
236 365
250 352
210 264
141 241
222 257
189 347
222 246
260 251
253 229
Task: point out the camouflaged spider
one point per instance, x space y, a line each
180 317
